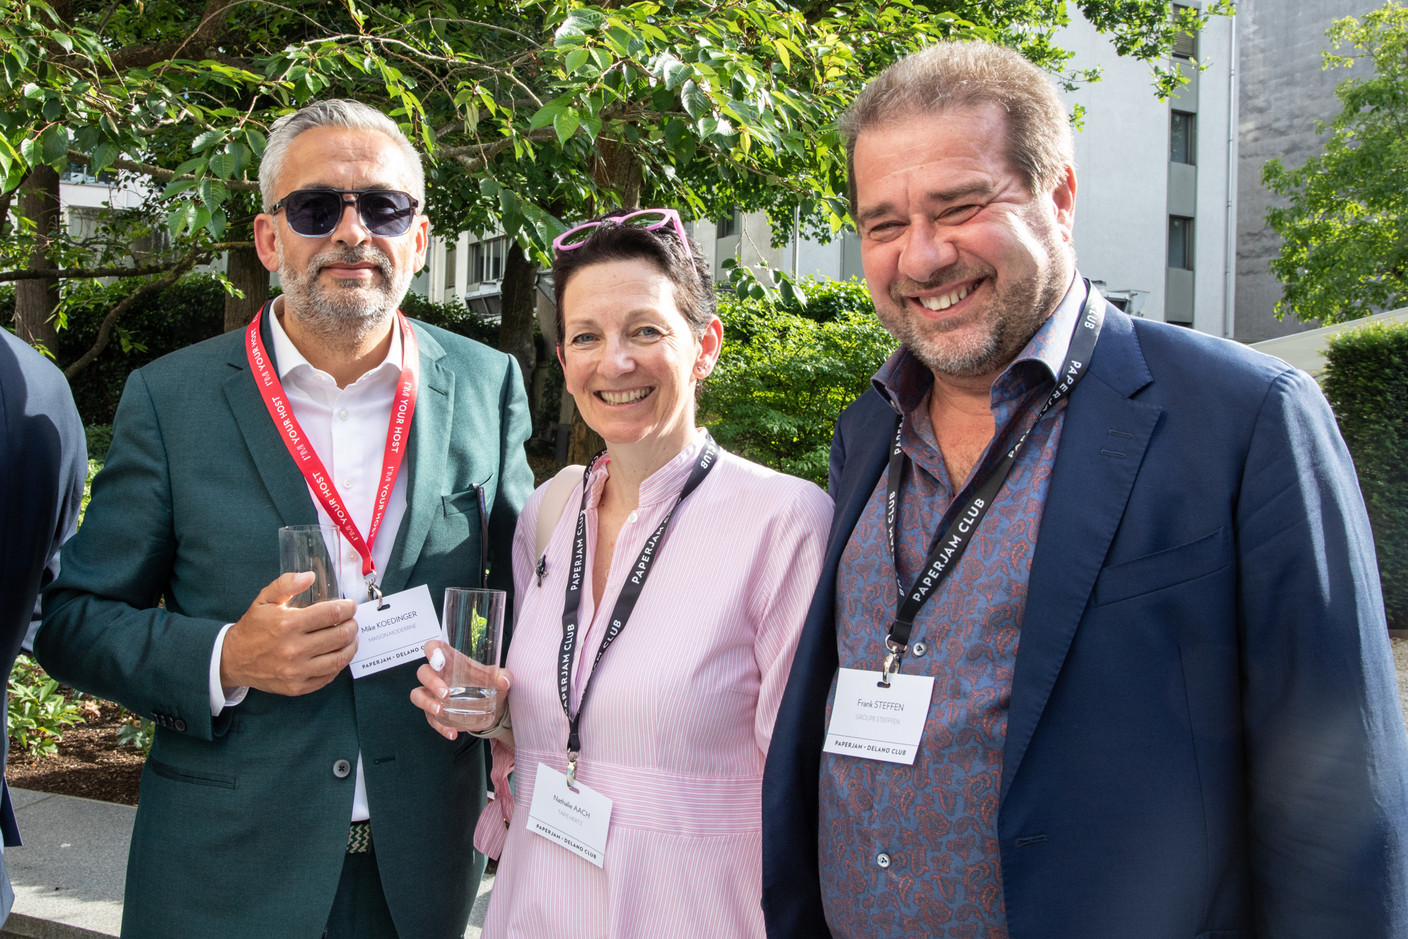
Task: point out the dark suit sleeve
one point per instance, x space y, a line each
44 463
515 483
103 630
1325 744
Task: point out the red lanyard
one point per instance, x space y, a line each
402 409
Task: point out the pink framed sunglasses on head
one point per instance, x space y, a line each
646 219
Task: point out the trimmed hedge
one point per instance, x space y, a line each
1366 382
787 372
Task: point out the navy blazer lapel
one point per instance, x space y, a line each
425 460
1103 440
285 485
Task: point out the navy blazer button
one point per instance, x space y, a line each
883 860
341 769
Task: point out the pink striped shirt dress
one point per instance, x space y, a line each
680 713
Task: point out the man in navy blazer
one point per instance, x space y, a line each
1142 687
43 461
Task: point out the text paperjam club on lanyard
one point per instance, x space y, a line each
590 812
372 653
884 719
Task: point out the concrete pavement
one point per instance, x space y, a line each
69 875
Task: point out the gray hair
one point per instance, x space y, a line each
950 76
334 112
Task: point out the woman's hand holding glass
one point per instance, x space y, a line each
445 668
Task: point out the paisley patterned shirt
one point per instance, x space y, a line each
912 850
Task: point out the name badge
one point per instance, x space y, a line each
394 631
575 820
877 723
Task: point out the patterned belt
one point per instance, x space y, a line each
359 838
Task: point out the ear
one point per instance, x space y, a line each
1063 202
422 233
710 345
266 240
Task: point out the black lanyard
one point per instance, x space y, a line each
625 601
949 547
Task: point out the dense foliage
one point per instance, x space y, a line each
1366 381
1344 230
788 370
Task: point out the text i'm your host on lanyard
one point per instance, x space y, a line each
564 810
376 649
884 720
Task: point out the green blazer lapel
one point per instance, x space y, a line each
285 485
1103 441
426 456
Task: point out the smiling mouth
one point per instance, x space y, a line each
944 301
624 397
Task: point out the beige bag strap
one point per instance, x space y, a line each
555 496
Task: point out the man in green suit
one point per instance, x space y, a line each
282 797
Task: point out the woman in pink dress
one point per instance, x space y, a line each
654 633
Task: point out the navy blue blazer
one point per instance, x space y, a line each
43 463
1204 736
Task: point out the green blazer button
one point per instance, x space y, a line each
341 769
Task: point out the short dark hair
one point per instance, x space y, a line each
693 286
949 76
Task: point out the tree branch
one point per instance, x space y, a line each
157 172
208 30
192 258
88 273
477 155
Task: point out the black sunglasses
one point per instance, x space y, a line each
314 213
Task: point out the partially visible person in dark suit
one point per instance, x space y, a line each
43 462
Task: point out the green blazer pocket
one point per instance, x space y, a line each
461 503
1163 569
167 771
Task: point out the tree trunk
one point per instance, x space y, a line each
37 298
584 443
518 304
248 273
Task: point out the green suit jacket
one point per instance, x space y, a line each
242 825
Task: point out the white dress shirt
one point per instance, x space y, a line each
346 427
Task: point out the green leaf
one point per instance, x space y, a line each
575 60
55 144
206 140
696 102
565 123
547 114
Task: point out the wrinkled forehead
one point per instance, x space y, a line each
344 158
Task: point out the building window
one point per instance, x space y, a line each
486 260
1185 45
1181 142
451 256
729 225
1180 242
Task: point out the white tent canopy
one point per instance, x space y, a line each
1306 350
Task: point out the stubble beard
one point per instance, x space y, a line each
963 348
345 315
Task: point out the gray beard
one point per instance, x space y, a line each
343 317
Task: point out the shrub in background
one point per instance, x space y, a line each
1366 381
454 316
787 371
186 312
40 710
